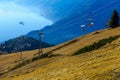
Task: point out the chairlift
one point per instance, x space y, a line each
88 22
91 21
91 24
83 27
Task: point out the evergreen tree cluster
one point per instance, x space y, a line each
114 21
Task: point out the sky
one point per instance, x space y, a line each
11 13
35 14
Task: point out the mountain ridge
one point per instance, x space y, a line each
70 27
21 43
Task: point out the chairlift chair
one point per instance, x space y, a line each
91 24
83 27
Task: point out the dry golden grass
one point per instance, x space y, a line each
101 64
87 40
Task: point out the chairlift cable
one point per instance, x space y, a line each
81 17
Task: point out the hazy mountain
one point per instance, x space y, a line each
21 43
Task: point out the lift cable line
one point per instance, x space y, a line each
72 8
95 11
79 22
40 50
89 22
79 18
73 23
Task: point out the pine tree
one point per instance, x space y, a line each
114 21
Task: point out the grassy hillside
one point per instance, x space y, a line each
100 64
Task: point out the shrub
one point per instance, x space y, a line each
41 56
96 45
